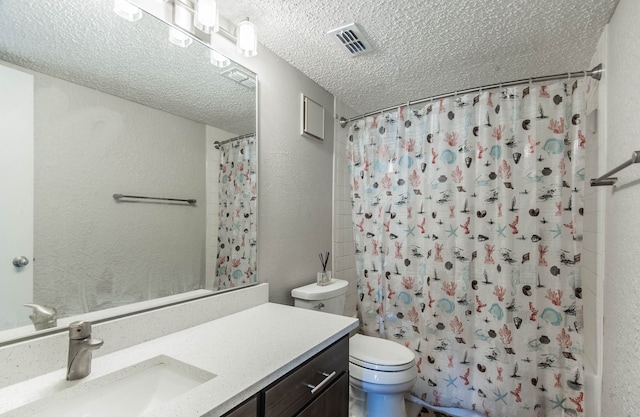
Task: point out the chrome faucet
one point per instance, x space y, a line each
80 347
43 317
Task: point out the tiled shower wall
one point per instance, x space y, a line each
593 251
343 259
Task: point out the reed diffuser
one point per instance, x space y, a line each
324 277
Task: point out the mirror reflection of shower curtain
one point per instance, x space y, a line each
468 227
237 256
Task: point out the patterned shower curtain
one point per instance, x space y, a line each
468 226
237 193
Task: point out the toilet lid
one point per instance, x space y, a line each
314 292
379 354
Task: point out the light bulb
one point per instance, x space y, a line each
179 38
207 16
127 10
219 60
247 39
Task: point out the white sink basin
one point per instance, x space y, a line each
129 392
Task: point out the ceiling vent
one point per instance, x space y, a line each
351 39
240 75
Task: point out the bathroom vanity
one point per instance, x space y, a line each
319 387
261 361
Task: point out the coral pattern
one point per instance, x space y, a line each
238 191
468 227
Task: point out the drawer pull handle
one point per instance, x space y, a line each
325 381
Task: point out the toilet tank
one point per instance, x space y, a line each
327 298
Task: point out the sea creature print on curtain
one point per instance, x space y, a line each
468 227
237 256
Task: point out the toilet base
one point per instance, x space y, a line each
385 405
378 400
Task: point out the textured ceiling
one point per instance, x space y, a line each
422 48
83 41
426 47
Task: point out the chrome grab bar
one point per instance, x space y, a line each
607 179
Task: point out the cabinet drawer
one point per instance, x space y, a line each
289 395
332 402
247 409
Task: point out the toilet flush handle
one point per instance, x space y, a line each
325 381
319 306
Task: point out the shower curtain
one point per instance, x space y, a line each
468 226
237 192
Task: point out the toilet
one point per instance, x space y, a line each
380 371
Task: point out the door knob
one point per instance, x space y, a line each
20 261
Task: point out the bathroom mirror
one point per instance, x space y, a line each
117 111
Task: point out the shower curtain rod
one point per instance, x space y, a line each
595 73
217 144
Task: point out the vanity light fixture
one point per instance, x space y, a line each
127 10
193 19
246 38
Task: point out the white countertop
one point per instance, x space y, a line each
246 351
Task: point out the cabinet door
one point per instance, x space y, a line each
333 402
247 409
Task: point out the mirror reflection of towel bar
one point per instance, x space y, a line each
121 196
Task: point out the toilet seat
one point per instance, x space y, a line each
379 354
371 376
382 368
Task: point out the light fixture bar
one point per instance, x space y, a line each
181 16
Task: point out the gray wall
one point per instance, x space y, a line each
90 251
295 175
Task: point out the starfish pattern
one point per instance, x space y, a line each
500 396
557 230
410 230
501 231
452 231
451 381
558 402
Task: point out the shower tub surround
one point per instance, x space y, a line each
246 350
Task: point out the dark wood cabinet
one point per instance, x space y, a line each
248 408
317 388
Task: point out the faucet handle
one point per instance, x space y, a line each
80 329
